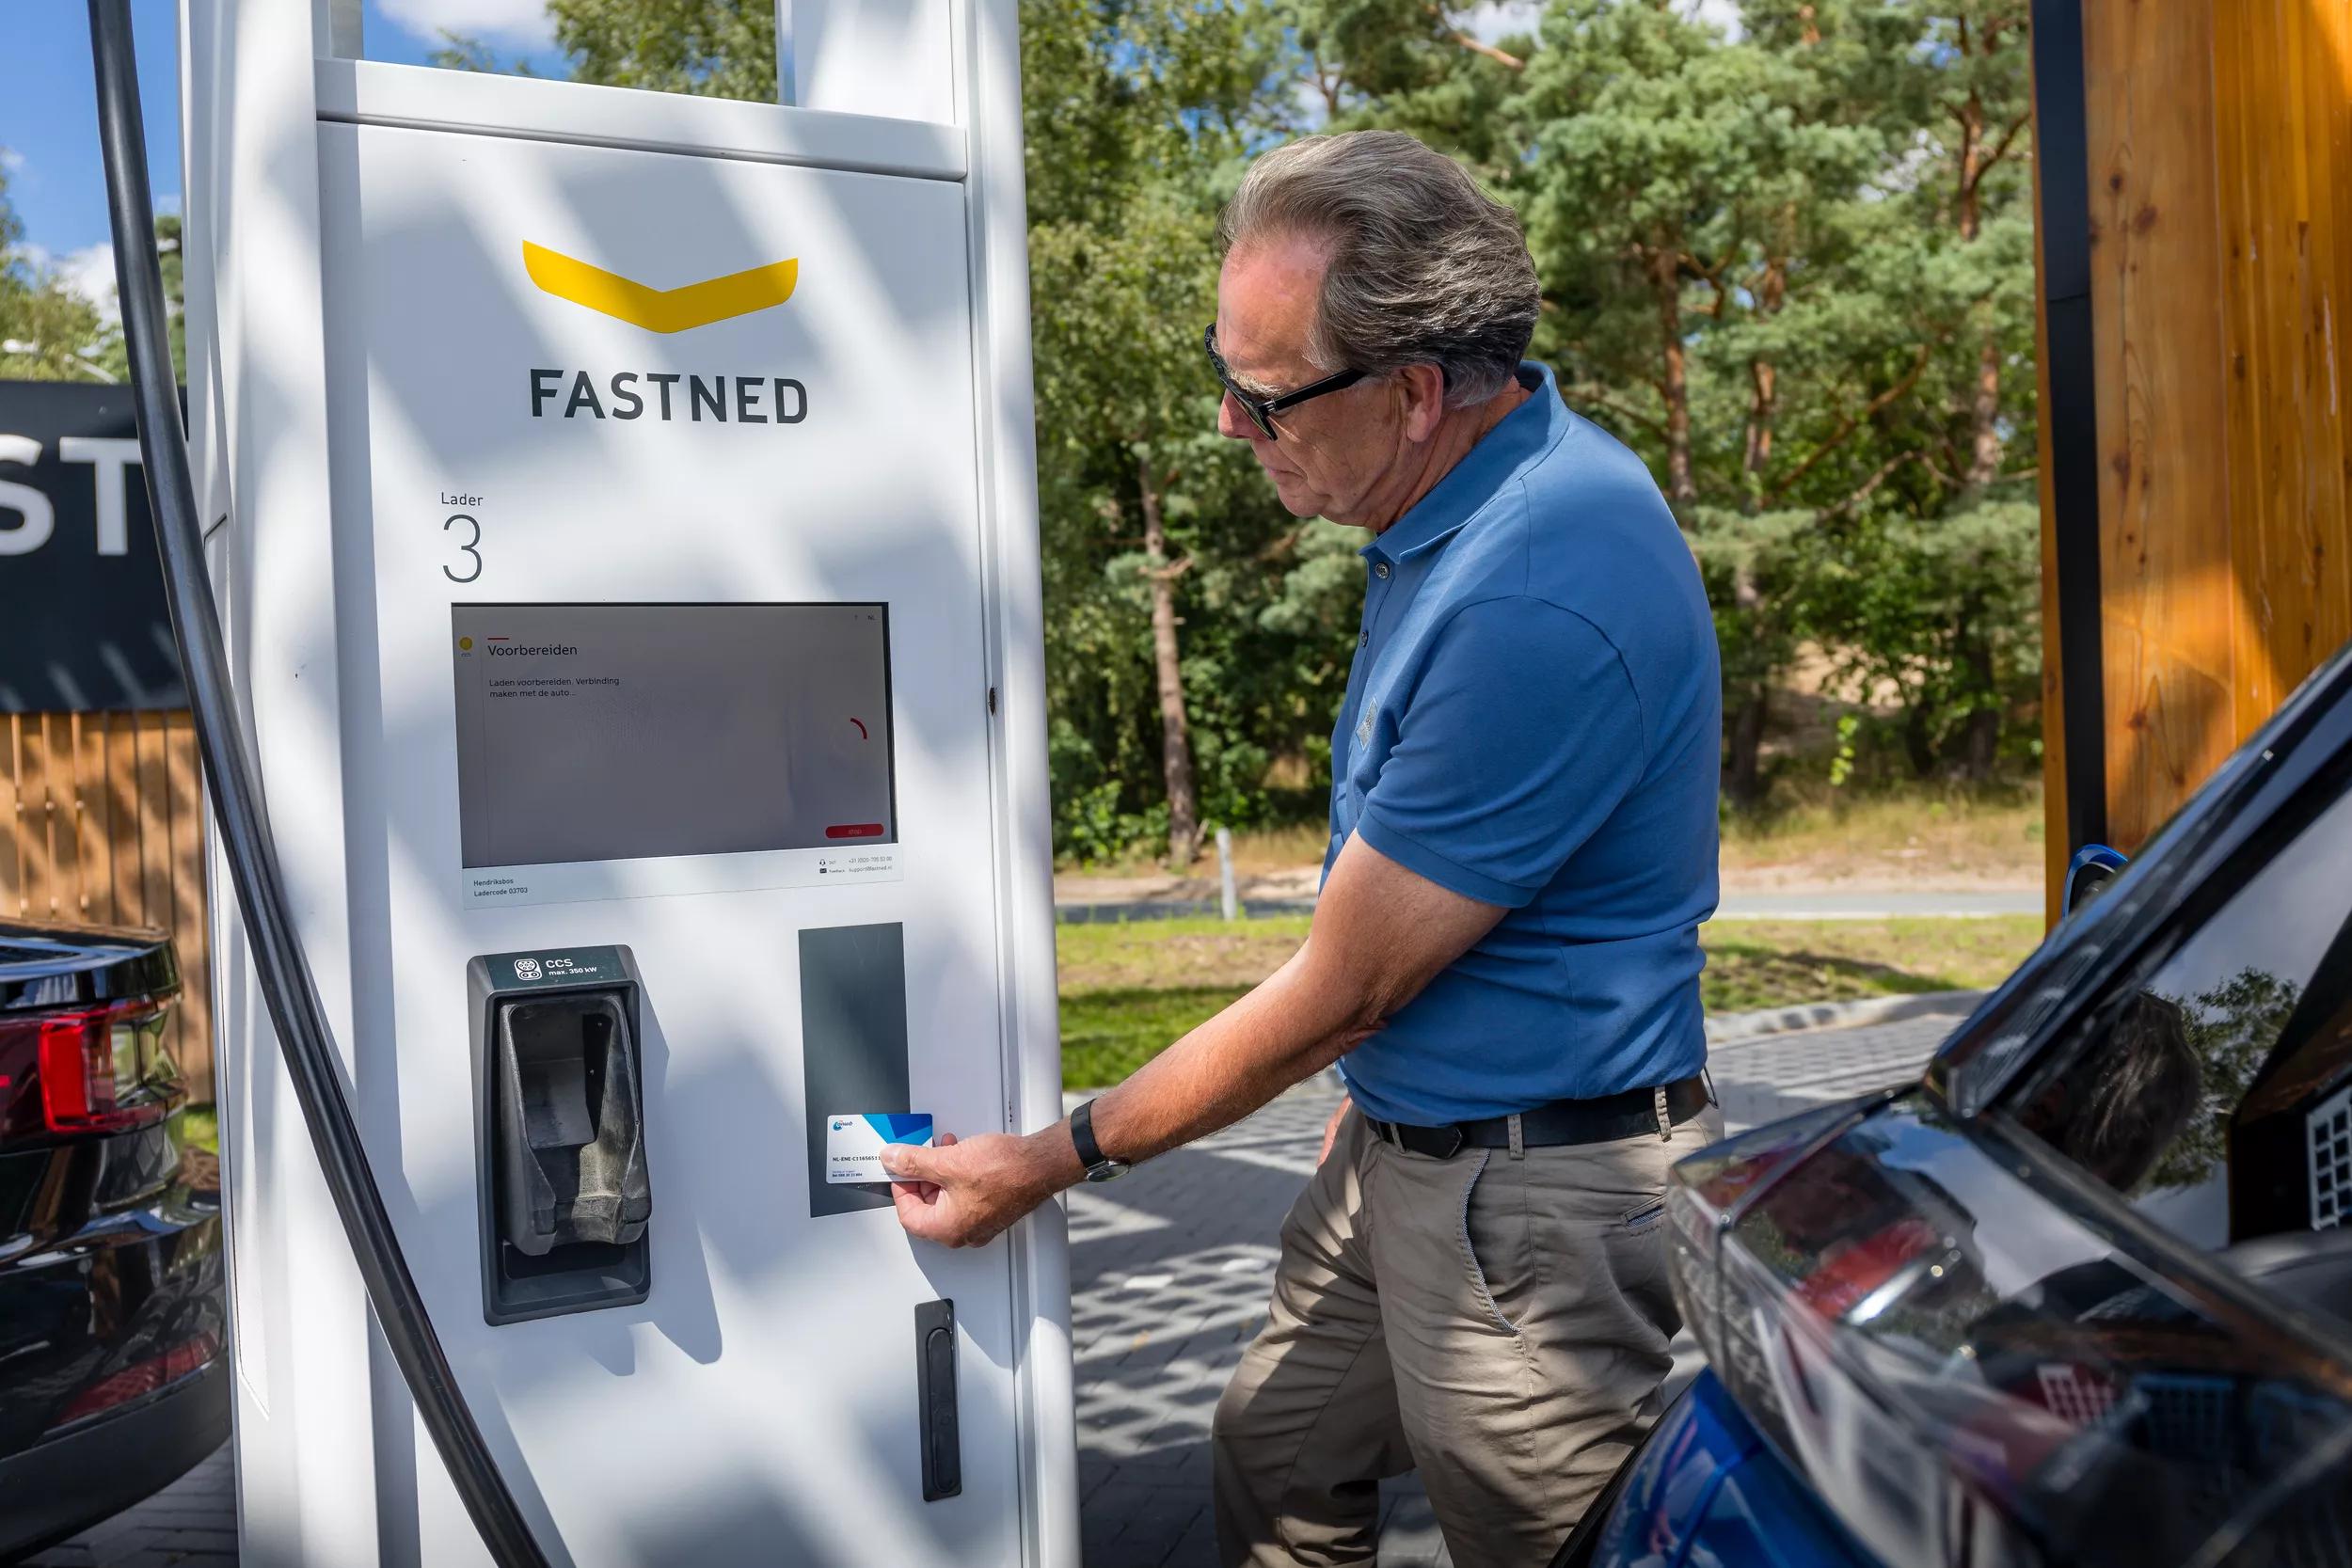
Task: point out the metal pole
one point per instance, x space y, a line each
1225 899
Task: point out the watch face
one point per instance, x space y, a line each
1108 1170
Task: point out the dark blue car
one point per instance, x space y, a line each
2082 1296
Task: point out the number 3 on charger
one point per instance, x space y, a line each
471 549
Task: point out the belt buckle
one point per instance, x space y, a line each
1454 1132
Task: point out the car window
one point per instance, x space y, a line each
2215 1088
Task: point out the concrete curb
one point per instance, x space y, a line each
1738 1028
1822 906
1175 909
1733 1029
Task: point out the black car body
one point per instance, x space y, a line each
113 1321
2084 1295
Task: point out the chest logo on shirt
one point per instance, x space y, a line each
1363 726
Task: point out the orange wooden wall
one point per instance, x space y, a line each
102 822
2219 162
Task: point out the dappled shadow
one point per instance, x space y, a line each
747 1297
1177 909
1170 1272
1743 977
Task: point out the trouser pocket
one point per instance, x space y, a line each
1495 1230
1643 1216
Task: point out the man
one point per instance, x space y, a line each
1505 960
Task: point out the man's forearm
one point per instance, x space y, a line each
1380 934
1292 1026
1295 1023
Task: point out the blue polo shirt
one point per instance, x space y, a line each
1532 721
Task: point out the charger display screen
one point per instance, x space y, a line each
607 732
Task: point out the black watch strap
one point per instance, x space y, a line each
1082 1135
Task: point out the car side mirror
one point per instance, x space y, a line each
2093 869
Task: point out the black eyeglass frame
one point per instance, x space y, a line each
1261 410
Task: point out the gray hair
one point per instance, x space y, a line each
1425 267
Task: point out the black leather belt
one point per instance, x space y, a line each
1603 1119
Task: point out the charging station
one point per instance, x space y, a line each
621 508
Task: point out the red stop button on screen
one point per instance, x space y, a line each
854 830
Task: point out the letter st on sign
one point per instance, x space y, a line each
85 628
667 395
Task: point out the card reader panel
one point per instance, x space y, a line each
854 1044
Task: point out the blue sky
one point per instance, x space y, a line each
49 116
49 125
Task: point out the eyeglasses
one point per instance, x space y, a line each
1261 410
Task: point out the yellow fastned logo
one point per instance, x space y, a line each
690 305
664 395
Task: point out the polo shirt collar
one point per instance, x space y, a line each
1522 436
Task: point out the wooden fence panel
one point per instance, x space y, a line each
102 823
154 808
93 838
12 852
33 814
2218 145
189 911
122 814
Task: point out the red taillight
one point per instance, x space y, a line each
140 1378
92 1070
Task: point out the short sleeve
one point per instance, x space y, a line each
1520 738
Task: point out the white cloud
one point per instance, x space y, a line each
1308 105
1492 20
512 22
88 272
10 160
1724 14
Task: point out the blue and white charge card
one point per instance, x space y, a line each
854 1142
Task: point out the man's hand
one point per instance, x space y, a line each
968 1193
1331 1132
1380 933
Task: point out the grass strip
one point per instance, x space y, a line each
1127 991
200 1128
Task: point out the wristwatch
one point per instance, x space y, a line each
1100 1167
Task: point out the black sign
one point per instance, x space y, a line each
83 626
578 966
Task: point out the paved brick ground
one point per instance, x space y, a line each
1170 1267
1171 1270
192 1521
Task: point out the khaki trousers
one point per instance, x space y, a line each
1498 1323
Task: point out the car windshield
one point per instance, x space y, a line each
2214 1087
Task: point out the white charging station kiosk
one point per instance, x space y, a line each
623 506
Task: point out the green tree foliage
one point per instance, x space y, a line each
1164 551
47 331
114 351
464 52
2231 1030
1789 263
709 48
1791 268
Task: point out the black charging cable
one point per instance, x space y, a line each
287 988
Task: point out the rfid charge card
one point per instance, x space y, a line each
855 1140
